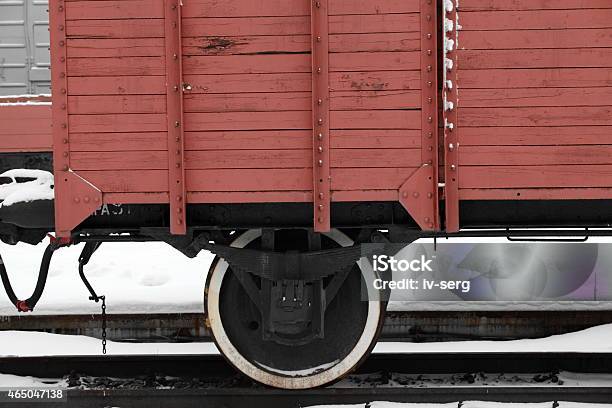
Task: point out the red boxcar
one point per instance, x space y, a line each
313 125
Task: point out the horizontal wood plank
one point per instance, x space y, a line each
249 180
118 123
375 158
249 26
542 20
123 47
536 78
365 100
249 140
132 181
375 139
546 58
126 85
534 155
116 66
344 7
290 120
374 23
16 136
104 104
242 8
535 176
535 136
119 160
529 39
252 102
114 9
492 5
375 42
216 45
375 80
535 194
248 159
110 142
537 116
249 197
247 83
380 61
369 178
87 29
382 119
247 64
473 98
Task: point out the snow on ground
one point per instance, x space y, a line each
468 404
12 381
135 277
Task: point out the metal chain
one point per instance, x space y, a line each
103 298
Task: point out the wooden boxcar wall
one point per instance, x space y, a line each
534 97
249 131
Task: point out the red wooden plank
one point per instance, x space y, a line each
241 8
343 7
215 45
536 194
115 66
536 116
247 83
364 195
534 155
117 123
25 128
254 102
249 180
472 98
383 119
535 136
369 178
113 9
246 64
238 27
239 140
478 5
527 39
249 197
248 121
119 160
374 23
375 42
135 198
133 181
248 159
99 104
115 28
130 85
536 78
541 20
557 58
375 80
381 61
375 158
536 176
366 100
115 142
122 47
376 139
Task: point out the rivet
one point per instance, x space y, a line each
178 139
86 199
320 121
429 68
320 101
179 198
429 195
176 88
64 126
62 43
320 136
178 165
430 99
65 141
77 200
318 4
174 7
430 135
318 39
429 36
431 225
320 219
453 167
178 152
179 221
61 28
65 154
428 52
320 207
415 195
65 168
62 59
63 90
427 219
97 199
179 210
430 119
63 106
177 124
430 148
60 8
320 163
319 70
405 194
429 83
175 56
62 75
428 17
174 24
320 149
321 196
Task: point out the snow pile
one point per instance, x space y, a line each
136 277
40 187
14 381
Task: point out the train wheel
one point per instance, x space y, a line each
351 327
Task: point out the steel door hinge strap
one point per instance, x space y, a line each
174 98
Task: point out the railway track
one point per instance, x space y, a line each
190 381
399 325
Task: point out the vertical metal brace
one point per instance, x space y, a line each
75 198
320 116
419 194
174 98
451 136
